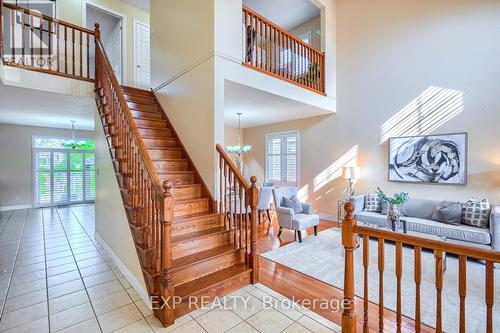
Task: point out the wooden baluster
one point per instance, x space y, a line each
32 42
242 214
221 197
254 41
73 49
66 49
49 55
261 26
490 295
40 29
381 264
462 289
238 213
23 39
88 55
81 54
167 288
253 200
230 199
57 48
97 36
418 279
399 273
438 255
366 263
349 243
323 88
13 35
226 212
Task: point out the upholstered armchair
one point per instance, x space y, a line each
265 202
288 219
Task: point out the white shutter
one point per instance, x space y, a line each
89 169
43 168
282 158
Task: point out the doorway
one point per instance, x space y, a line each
111 25
142 46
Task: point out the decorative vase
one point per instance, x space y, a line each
393 215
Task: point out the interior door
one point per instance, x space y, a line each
114 50
142 56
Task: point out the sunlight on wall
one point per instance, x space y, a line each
434 107
303 193
334 171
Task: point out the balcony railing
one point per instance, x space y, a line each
37 42
270 49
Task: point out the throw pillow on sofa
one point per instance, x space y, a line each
372 203
448 212
476 213
293 203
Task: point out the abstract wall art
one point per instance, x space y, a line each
436 159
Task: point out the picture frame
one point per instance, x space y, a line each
429 159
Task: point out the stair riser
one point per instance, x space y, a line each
206 267
150 123
146 259
160 143
193 207
136 91
165 154
203 243
187 192
168 166
196 225
178 179
143 107
139 99
137 234
146 115
217 290
160 133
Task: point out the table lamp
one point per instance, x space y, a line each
351 173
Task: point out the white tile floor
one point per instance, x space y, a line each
55 277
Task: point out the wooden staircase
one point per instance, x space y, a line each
207 259
189 246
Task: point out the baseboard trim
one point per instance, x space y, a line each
327 217
3 208
136 284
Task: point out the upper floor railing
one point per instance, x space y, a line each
365 237
271 49
33 41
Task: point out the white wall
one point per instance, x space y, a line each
16 168
111 223
388 55
313 25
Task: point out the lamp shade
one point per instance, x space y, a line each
351 172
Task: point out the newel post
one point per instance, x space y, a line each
349 242
253 197
166 286
97 36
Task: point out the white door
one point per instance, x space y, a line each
114 50
142 51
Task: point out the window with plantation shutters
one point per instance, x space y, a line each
63 175
282 158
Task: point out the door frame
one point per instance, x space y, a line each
123 18
138 22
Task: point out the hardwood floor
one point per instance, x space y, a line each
316 295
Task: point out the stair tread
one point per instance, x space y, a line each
175 172
187 218
200 233
202 255
165 148
186 200
206 281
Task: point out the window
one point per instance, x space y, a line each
63 175
306 37
282 158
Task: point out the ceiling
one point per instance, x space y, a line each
29 107
260 108
288 14
140 4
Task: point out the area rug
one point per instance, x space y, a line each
322 258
